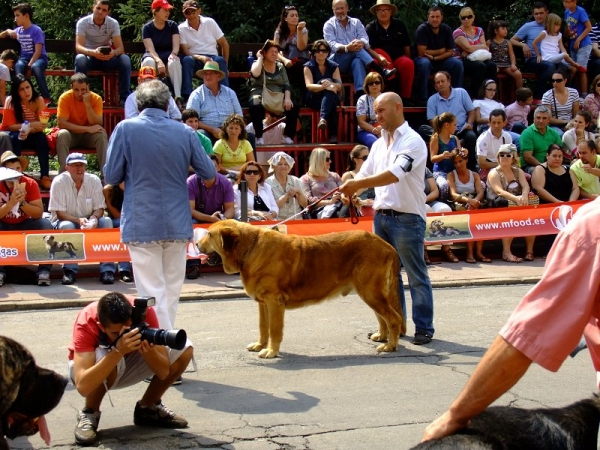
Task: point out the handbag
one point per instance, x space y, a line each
479 55
271 101
532 200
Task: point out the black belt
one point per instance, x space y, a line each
390 212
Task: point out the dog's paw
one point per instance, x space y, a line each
255 347
378 337
386 348
267 353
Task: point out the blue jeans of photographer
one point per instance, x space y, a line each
406 234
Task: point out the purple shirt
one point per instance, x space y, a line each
28 38
212 199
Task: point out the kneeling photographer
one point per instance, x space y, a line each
116 344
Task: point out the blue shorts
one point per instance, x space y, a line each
582 56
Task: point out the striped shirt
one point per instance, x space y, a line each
559 110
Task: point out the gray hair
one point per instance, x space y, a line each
542 109
152 94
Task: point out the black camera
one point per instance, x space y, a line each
171 338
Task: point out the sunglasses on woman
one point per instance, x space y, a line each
321 50
373 83
364 158
252 172
504 155
469 17
327 159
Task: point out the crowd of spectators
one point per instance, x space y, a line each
469 130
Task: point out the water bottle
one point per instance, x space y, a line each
250 60
24 130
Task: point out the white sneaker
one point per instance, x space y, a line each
287 140
260 141
43 279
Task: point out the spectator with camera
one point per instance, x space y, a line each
109 352
99 46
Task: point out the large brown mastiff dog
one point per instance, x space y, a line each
284 272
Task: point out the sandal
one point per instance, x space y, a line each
511 258
483 259
470 260
529 256
450 256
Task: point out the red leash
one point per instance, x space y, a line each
353 213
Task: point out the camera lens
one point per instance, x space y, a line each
175 339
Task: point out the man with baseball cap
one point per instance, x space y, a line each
77 202
148 73
199 37
21 208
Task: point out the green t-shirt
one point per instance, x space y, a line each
532 140
205 142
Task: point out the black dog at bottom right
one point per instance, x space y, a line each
573 427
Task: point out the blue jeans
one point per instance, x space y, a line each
544 71
424 69
366 138
120 63
189 66
357 63
406 233
105 222
34 141
38 69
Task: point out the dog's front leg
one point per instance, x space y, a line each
276 311
263 329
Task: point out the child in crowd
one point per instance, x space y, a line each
442 143
191 118
486 102
33 47
8 58
548 45
578 27
502 51
517 112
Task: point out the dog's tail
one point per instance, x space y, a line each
392 284
72 246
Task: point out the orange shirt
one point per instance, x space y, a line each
74 111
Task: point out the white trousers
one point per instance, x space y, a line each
159 271
174 73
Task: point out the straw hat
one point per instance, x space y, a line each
373 8
10 156
211 66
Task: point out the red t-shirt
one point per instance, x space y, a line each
33 193
86 333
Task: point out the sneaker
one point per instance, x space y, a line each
422 338
45 183
87 426
177 381
389 73
68 278
192 272
2 278
157 416
107 278
43 279
287 140
126 276
322 124
260 141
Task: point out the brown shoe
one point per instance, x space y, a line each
45 183
322 124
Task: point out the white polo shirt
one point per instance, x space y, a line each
203 41
407 194
96 36
488 145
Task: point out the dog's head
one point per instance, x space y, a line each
436 225
48 239
224 238
28 391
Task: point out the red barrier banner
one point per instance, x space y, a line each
90 246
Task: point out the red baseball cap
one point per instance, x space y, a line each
147 72
161 4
